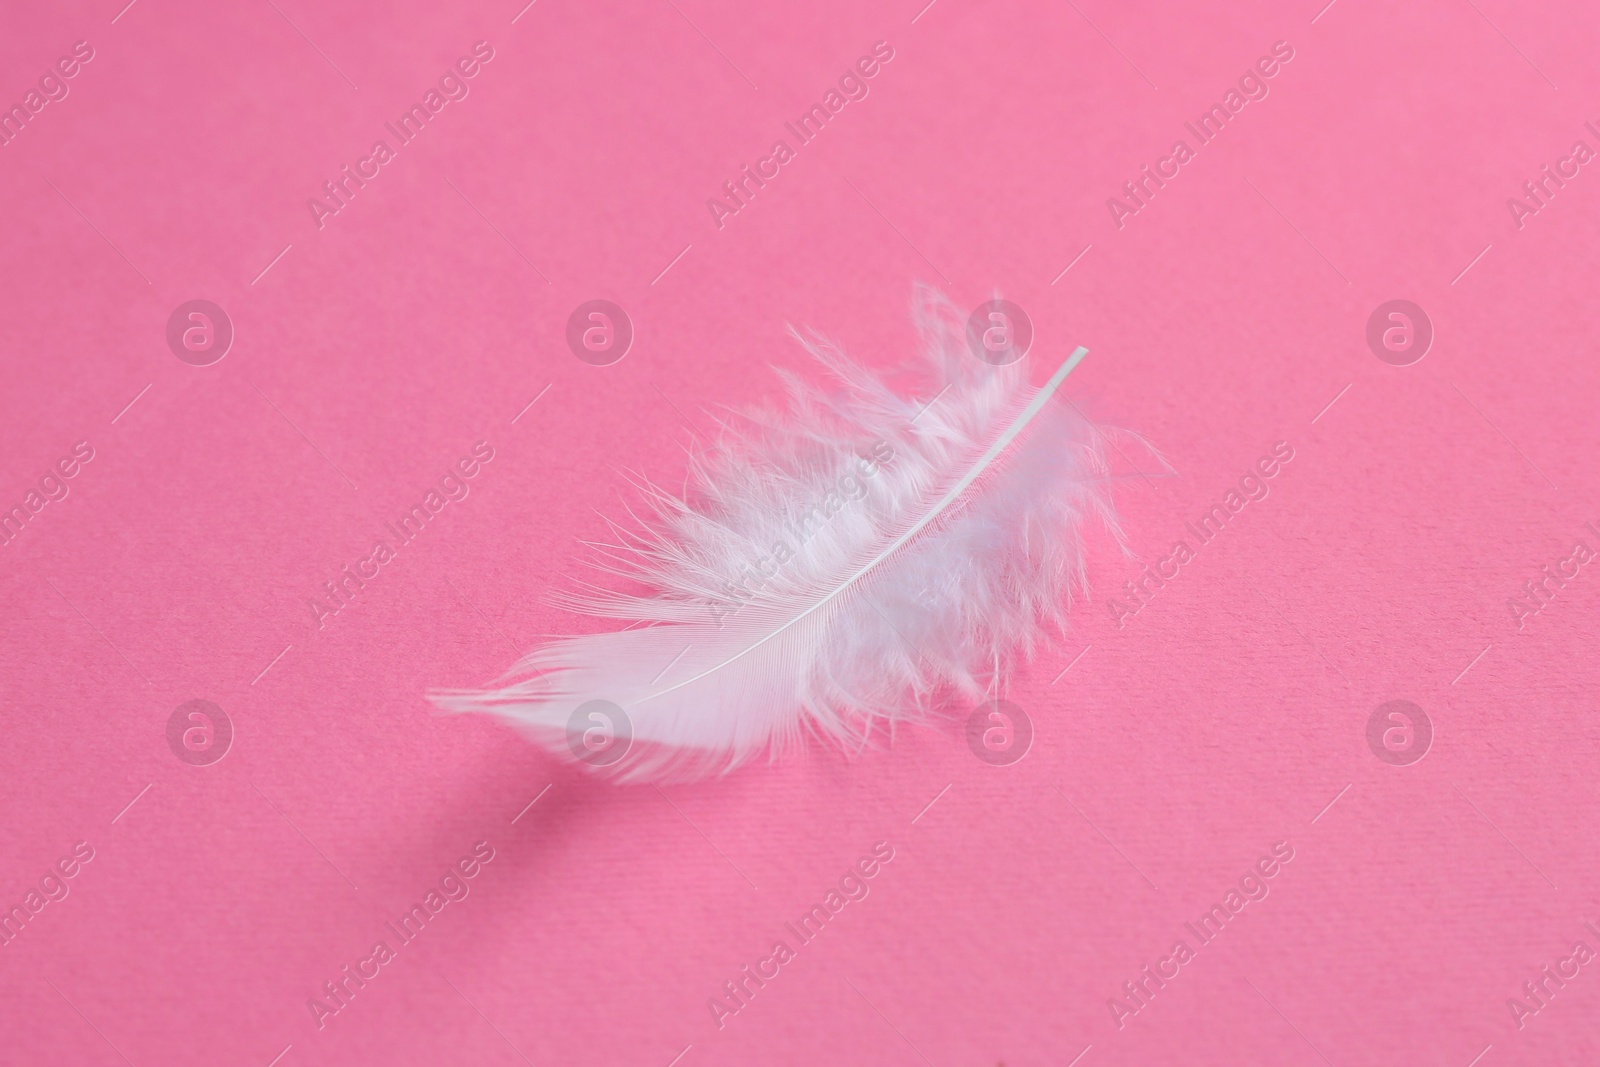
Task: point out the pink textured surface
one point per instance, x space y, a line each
1222 718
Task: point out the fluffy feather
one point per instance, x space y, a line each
936 571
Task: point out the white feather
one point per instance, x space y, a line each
961 551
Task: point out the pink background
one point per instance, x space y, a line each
1224 717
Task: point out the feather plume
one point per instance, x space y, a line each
830 570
